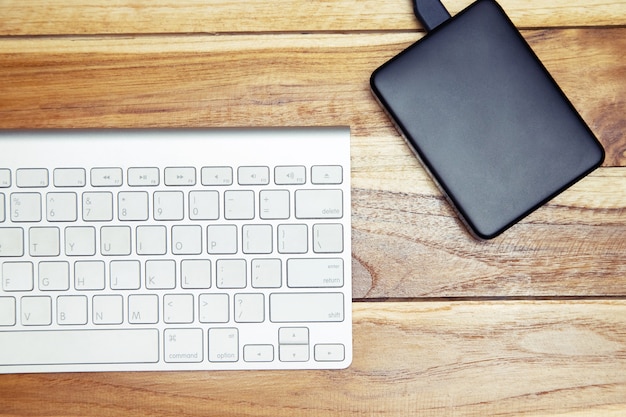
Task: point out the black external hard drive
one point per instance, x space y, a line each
486 118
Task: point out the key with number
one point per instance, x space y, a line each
26 207
61 207
97 206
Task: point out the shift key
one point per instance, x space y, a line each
306 307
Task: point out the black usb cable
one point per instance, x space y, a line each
431 13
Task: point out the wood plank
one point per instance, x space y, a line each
511 358
407 241
72 17
267 80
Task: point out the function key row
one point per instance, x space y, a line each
172 176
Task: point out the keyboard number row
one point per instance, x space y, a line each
170 205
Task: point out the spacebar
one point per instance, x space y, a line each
79 347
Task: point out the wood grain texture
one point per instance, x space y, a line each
81 17
538 327
429 359
267 80
407 241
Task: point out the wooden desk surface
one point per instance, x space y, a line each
531 323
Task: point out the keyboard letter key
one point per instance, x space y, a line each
11 242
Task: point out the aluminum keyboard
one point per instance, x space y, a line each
186 249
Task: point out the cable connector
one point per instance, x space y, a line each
430 13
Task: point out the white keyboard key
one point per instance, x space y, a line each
160 274
143 309
293 238
44 241
223 345
36 311
319 204
108 309
274 204
294 353
249 308
187 240
11 241
253 175
327 174
17 276
69 177
293 336
151 240
7 311
330 352
290 175
25 207
222 239
195 273
328 238
54 276
257 238
2 210
183 345
72 310
266 273
79 347
204 205
31 177
239 205
217 176
180 176
143 177
306 307
231 273
213 308
315 272
80 241
106 177
178 308
97 206
115 240
5 178
258 353
132 205
168 205
89 275
125 275
61 207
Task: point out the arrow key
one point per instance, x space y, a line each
294 353
258 353
330 352
293 336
